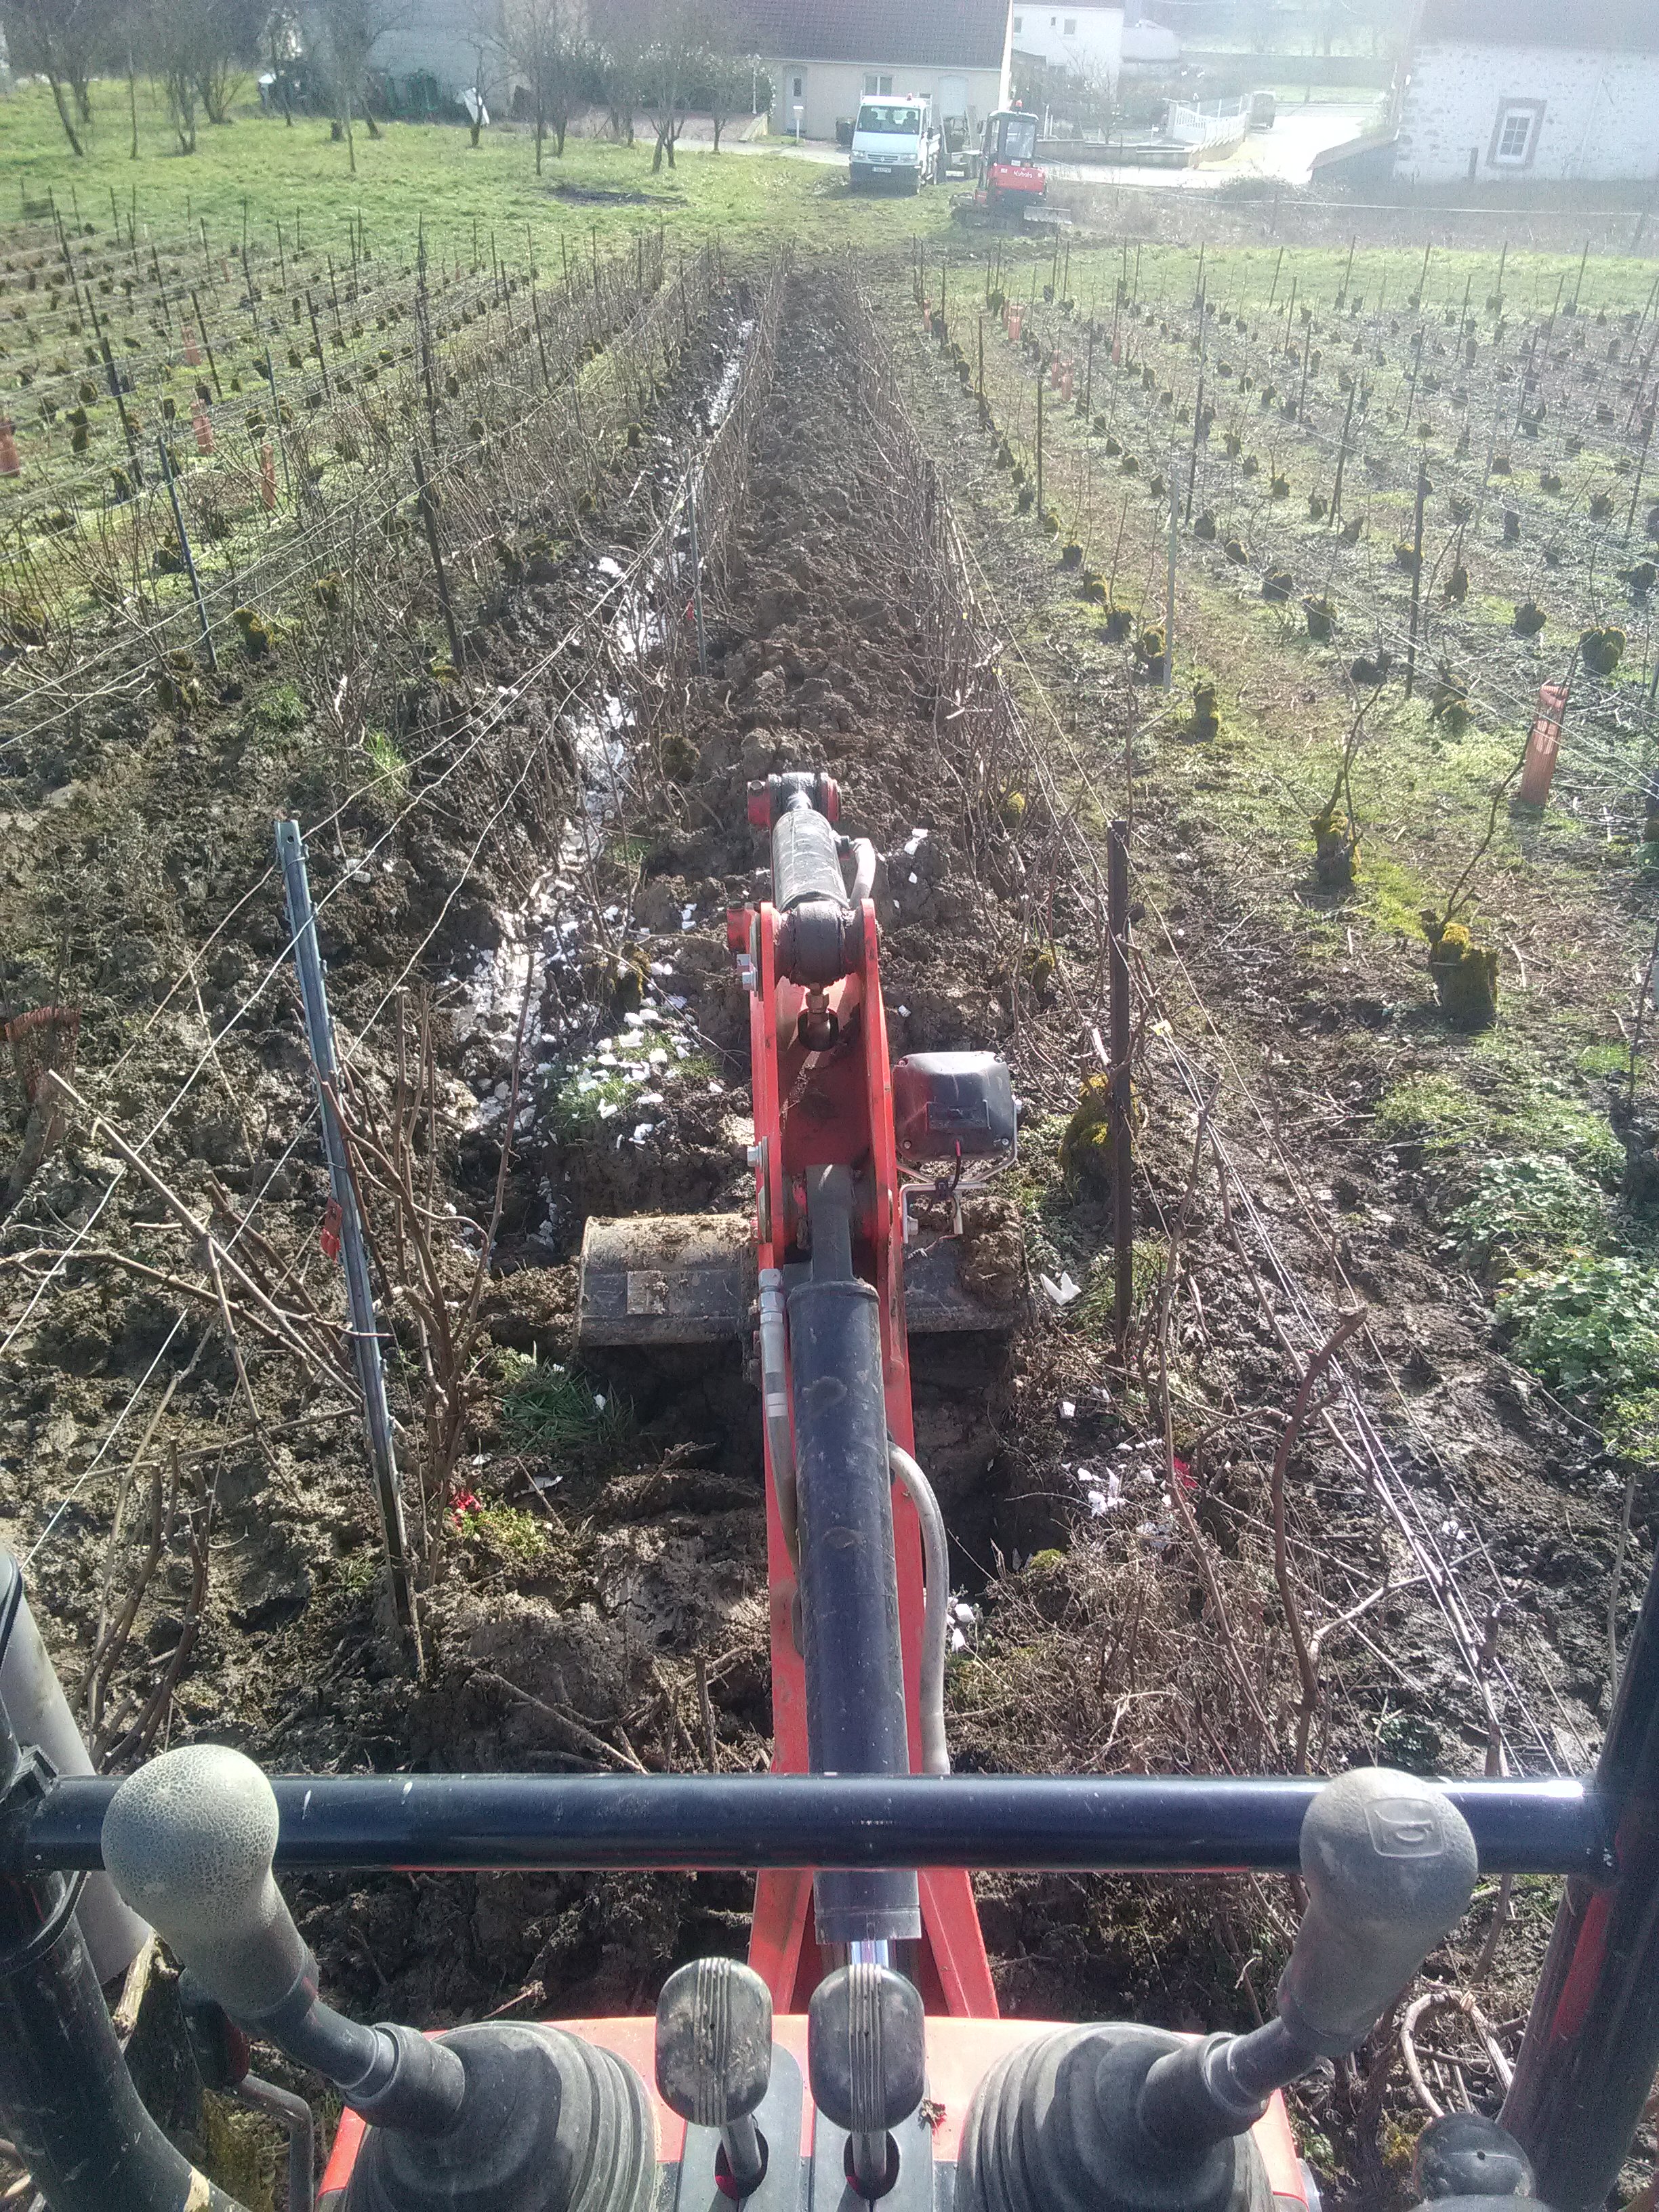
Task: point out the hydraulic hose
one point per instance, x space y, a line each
851 1646
864 868
936 1616
774 1401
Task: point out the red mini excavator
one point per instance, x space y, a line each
1012 183
857 2057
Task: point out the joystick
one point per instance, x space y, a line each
1125 2118
866 2057
497 2117
714 2059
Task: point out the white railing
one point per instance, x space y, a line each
1220 123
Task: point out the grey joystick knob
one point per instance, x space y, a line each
866 2053
1390 1864
188 1841
715 2057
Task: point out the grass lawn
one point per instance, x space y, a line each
261 168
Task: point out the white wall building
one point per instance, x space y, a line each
1547 91
1073 34
824 56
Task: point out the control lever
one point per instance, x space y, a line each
188 1841
866 2060
714 2059
1389 1866
1464 2154
494 2115
1124 2119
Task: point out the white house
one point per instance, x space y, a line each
1549 91
1076 35
824 56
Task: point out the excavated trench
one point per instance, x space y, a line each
647 1583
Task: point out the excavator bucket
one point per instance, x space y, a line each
664 1279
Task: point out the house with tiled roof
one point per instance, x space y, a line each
1539 91
824 56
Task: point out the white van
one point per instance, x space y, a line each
893 142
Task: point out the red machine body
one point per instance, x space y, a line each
1012 178
835 1107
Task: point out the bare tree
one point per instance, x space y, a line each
63 41
573 84
174 44
545 44
227 40
347 32
729 85
618 47
671 65
483 37
283 37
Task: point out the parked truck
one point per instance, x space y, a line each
895 143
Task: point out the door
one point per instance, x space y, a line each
952 96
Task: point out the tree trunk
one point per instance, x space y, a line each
720 126
76 147
133 103
560 124
369 124
541 133
82 98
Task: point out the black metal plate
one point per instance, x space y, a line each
912 2192
778 2118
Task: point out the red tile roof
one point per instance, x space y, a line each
910 34
1595 26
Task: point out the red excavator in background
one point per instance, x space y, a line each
1012 183
857 2057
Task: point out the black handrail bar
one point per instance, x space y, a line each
1077 1824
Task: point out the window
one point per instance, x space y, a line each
893 121
1019 22
1070 27
1018 136
795 87
879 83
1514 134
